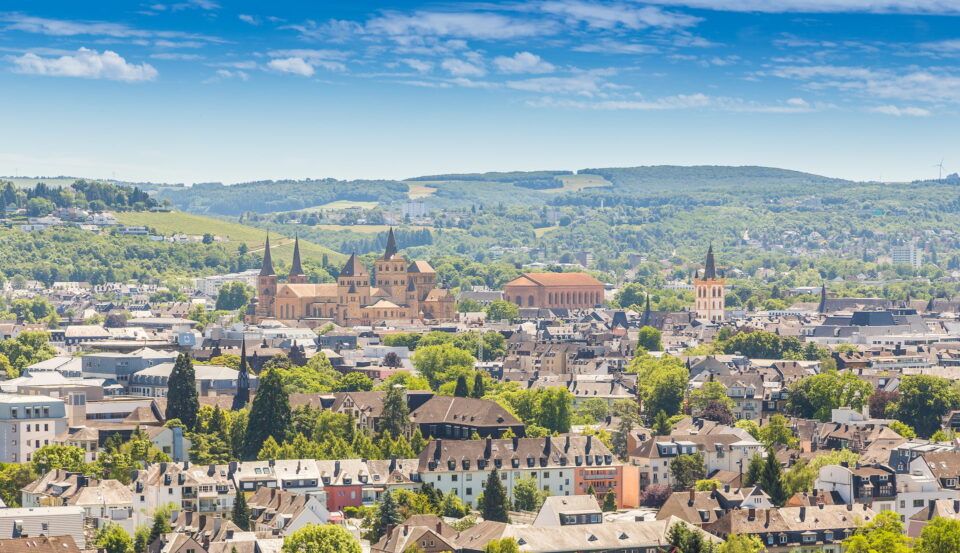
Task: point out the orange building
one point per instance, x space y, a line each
564 290
624 480
710 292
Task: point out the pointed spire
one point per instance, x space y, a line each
710 268
646 313
242 397
822 308
267 268
353 267
295 268
391 245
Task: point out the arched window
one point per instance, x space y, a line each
530 301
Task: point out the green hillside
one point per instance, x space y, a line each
188 223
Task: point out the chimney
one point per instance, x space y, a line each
767 517
956 506
566 444
406 529
803 514
186 465
233 468
589 444
393 463
163 468
336 468
692 496
849 506
726 487
438 451
211 470
546 445
439 527
751 514
488 448
516 443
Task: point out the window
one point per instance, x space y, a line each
469 491
918 503
783 538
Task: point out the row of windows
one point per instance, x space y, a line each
31 412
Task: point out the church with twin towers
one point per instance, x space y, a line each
397 291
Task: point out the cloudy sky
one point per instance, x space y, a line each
211 90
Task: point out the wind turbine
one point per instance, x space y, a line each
940 166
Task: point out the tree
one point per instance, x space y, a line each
438 362
503 545
387 515
26 349
452 506
661 384
649 339
815 397
114 539
527 496
392 360
924 400
686 470
707 485
902 429
741 543
777 432
354 382
52 457
462 390
754 471
13 478
269 416
233 295
609 501
241 512
395 416
710 391
718 411
496 504
750 426
879 402
182 400
621 437
882 534
321 538
661 424
687 539
655 495
941 535
499 310
771 479
479 388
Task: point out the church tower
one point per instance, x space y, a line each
353 290
266 286
392 270
297 275
242 397
710 292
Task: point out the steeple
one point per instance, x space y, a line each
822 308
267 268
646 313
353 268
295 268
710 268
242 397
391 245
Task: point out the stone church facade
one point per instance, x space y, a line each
396 291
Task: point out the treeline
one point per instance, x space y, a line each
84 194
284 195
510 176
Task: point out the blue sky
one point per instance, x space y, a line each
210 90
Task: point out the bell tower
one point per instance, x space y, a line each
296 276
266 286
710 292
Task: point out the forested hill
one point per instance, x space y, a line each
674 177
463 190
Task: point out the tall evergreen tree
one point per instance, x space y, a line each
461 390
496 504
241 512
609 502
478 386
754 471
269 416
388 514
242 397
771 479
182 398
395 417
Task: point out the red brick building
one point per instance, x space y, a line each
564 290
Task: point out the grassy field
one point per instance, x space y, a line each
572 183
188 223
541 231
22 182
367 229
342 204
419 191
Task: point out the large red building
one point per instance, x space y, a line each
563 290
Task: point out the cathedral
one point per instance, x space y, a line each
397 291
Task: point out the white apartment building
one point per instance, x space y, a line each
906 255
28 423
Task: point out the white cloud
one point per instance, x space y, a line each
797 102
944 7
462 68
297 66
419 66
175 56
894 110
85 63
612 46
681 101
485 26
924 85
313 58
611 16
586 84
523 62
58 27
251 19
